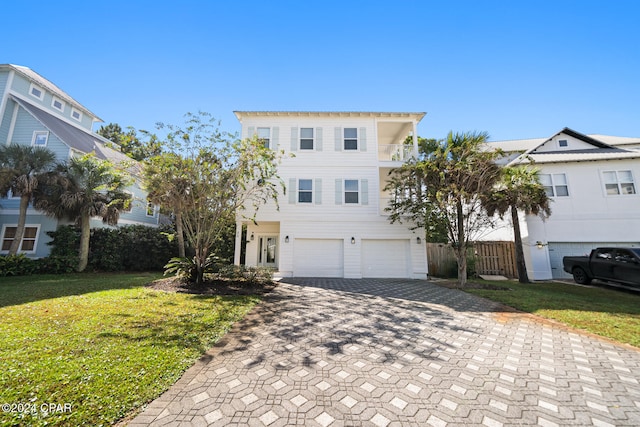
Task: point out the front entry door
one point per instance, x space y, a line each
268 251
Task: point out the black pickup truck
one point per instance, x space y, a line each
619 265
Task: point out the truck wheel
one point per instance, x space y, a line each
580 276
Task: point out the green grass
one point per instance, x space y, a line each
103 344
610 313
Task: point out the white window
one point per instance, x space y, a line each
36 91
264 135
306 138
305 191
76 114
350 138
40 138
58 104
151 209
619 182
555 185
351 194
29 238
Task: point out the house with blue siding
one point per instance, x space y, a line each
34 111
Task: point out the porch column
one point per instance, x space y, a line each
238 246
415 137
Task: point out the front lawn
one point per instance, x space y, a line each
97 347
610 313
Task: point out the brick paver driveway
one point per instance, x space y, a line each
396 352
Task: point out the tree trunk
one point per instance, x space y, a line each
461 250
85 235
522 267
180 235
22 218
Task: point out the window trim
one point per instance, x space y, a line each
268 139
618 182
35 239
312 191
561 141
358 192
312 139
153 206
36 134
345 139
39 89
75 110
62 104
554 185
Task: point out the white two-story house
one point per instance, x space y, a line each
592 181
34 111
331 222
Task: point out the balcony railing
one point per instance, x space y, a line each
395 153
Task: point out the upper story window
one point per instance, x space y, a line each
40 138
264 135
618 182
58 104
563 143
76 114
305 191
350 138
36 91
306 138
555 185
351 193
28 239
151 209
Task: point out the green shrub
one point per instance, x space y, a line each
248 276
58 264
17 265
185 268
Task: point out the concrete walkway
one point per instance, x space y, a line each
335 352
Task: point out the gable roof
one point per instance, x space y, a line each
76 138
36 78
527 149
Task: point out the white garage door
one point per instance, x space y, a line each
318 258
559 250
385 258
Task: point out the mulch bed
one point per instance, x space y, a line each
212 287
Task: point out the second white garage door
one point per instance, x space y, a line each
385 258
557 251
318 258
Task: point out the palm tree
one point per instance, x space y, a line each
88 187
168 184
518 189
22 169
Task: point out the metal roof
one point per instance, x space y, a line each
76 138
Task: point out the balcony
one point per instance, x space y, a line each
395 153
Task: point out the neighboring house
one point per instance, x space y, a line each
34 111
332 222
592 181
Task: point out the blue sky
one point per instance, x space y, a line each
516 69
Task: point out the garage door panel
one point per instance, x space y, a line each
318 258
385 258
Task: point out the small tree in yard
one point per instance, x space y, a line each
447 183
86 187
219 176
518 189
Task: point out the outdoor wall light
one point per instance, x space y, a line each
353 240
418 240
251 238
540 245
286 239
